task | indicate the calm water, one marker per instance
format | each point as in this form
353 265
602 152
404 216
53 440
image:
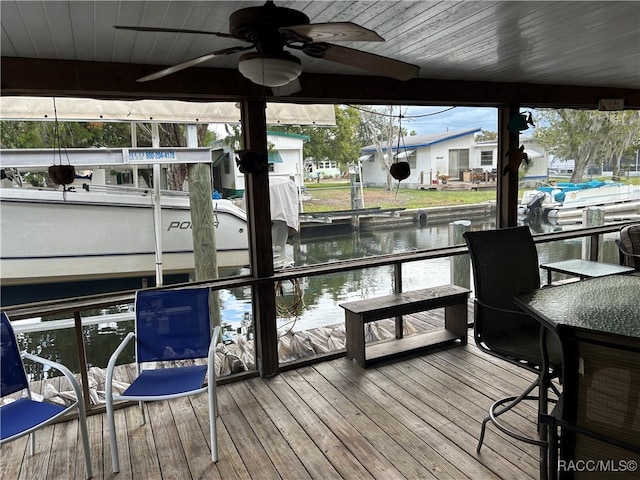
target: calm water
318 299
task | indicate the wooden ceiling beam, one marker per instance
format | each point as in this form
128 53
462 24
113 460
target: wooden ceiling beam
41 77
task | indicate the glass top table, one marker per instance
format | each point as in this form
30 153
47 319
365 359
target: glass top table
609 304
583 268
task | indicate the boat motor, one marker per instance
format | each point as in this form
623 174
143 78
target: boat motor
534 207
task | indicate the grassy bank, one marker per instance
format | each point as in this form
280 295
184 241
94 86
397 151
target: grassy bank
337 196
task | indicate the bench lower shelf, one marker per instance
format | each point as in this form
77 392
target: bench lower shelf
411 344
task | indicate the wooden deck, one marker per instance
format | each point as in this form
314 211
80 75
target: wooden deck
415 418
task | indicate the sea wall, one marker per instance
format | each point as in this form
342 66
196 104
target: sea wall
420 217
424 216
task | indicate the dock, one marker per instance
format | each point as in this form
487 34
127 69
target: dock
414 418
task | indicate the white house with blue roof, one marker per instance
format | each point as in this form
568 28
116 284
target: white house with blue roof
446 155
429 156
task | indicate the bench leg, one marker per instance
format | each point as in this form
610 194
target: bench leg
355 337
455 320
399 327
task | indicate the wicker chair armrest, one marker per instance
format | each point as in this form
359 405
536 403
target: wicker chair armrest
626 252
502 310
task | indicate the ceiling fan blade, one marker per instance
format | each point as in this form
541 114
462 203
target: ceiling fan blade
191 63
332 32
370 62
171 30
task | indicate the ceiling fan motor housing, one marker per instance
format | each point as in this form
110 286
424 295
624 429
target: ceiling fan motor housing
261 24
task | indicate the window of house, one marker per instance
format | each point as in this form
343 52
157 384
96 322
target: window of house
486 158
227 168
327 164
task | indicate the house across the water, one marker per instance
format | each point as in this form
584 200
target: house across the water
447 155
285 160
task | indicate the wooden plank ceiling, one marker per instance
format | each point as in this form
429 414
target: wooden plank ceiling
561 44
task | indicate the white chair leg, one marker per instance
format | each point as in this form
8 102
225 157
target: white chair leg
82 419
213 417
144 418
115 462
32 443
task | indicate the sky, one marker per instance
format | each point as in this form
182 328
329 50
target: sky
425 120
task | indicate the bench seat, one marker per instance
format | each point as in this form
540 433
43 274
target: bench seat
360 312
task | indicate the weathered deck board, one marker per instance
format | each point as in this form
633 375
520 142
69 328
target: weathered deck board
414 418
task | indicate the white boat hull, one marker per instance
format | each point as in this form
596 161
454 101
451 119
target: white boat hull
46 238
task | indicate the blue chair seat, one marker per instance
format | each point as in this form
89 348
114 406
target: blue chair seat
24 414
167 381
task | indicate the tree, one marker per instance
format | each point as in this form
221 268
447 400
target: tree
173 135
330 143
378 127
486 135
588 137
21 134
625 138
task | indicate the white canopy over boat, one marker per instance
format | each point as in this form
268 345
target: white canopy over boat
158 111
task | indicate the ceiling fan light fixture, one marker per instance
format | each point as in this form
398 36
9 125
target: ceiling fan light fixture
270 70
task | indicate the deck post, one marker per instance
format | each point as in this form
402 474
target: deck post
460 264
254 130
592 217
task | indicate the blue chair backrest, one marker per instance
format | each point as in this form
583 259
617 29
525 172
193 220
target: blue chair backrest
172 324
12 378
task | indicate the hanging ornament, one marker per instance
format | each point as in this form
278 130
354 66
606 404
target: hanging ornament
249 161
60 174
520 122
400 171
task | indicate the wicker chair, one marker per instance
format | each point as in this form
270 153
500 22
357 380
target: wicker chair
505 263
629 246
599 421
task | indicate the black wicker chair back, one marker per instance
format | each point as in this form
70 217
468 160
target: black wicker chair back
505 263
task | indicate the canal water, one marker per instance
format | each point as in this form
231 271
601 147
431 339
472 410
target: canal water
314 301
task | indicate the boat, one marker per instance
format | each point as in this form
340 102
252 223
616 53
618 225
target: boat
106 232
567 201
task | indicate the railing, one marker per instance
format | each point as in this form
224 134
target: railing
79 304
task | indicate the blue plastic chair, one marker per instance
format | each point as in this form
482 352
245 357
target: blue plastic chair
24 416
170 325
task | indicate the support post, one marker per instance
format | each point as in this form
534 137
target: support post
460 264
397 288
205 254
254 131
157 207
592 217
507 182
82 358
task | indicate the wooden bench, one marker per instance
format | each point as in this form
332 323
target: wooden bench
360 312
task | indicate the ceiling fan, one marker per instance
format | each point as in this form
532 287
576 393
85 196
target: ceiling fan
268 29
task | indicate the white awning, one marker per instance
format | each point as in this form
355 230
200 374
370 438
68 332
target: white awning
404 154
364 158
165 111
533 153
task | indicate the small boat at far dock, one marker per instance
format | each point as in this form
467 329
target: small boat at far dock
565 202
